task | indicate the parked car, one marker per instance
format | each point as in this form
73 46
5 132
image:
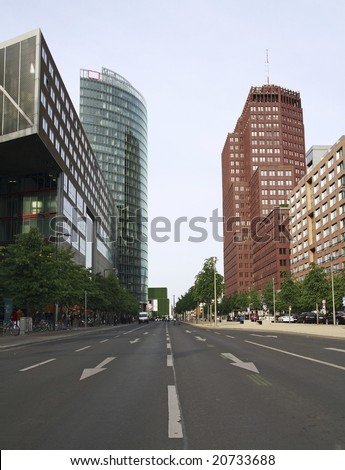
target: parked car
287 318
311 317
307 317
339 318
254 317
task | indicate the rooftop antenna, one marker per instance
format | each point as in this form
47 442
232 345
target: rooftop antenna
267 68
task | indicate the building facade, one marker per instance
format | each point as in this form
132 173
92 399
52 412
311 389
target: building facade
262 160
114 116
49 175
317 214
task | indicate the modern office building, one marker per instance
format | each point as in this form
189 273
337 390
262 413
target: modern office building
114 116
262 160
49 175
317 214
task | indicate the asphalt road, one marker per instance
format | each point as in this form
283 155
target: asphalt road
165 386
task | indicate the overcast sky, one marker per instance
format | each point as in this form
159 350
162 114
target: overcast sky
195 61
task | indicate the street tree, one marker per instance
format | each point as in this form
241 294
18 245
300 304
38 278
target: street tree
204 289
316 287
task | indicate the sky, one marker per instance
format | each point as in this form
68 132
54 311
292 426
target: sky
194 61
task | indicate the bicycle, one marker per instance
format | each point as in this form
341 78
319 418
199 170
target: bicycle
42 325
11 327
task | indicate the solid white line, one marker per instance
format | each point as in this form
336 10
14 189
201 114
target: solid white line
298 355
336 349
82 349
36 365
169 360
174 426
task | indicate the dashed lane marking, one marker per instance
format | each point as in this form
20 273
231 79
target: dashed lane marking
82 349
174 426
37 365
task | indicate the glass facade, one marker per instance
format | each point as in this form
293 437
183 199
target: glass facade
114 117
49 175
17 85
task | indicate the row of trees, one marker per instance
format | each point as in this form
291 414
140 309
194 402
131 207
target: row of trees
303 295
207 281
34 274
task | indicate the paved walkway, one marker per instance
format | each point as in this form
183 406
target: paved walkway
335 331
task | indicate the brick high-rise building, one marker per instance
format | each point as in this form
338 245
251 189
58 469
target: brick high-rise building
262 161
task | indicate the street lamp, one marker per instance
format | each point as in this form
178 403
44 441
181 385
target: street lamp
58 234
332 282
274 301
215 290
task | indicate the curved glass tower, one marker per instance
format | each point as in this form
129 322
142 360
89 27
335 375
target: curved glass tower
114 117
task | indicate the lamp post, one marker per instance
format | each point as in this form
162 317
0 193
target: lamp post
274 301
85 307
58 234
332 283
215 290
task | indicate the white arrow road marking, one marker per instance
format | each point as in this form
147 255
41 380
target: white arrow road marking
100 368
174 427
336 349
238 363
135 340
36 365
200 339
298 355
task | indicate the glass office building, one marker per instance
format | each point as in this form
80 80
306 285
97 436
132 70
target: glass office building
114 116
49 175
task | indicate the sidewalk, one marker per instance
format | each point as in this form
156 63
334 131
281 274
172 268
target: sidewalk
9 341
334 331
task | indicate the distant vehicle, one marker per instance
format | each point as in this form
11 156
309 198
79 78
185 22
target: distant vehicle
254 317
143 317
339 318
287 318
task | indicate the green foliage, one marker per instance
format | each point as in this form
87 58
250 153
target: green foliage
35 273
299 295
316 287
187 302
203 289
204 283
